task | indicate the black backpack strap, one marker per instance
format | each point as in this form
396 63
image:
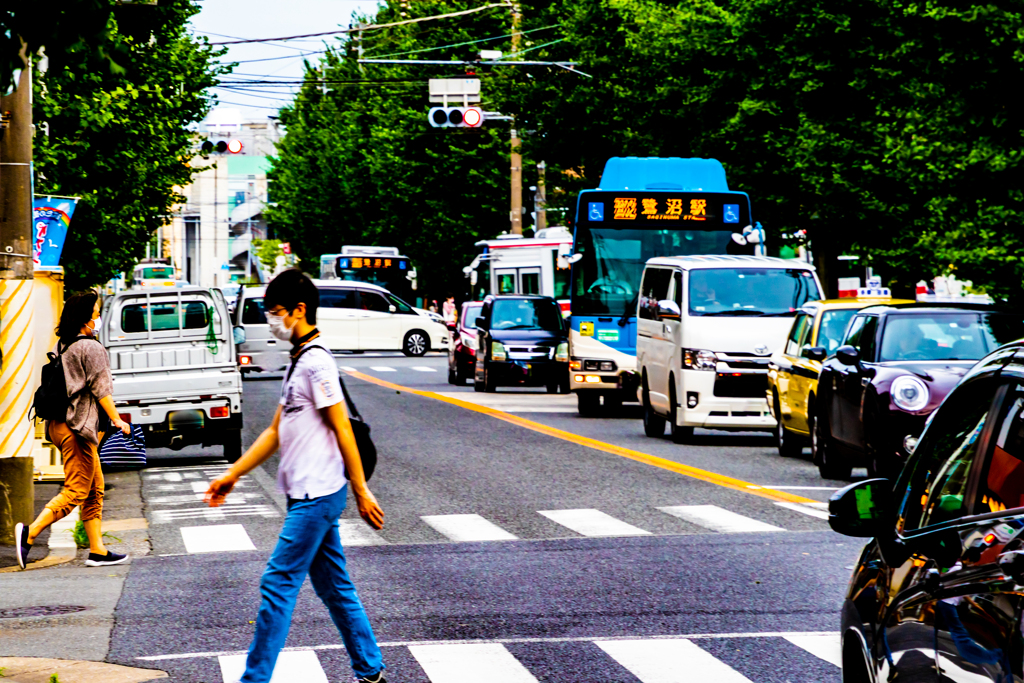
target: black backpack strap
353 412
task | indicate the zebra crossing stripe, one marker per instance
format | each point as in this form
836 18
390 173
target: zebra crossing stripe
382 368
669 661
807 509
589 522
296 666
464 528
718 519
216 538
826 646
470 663
423 368
214 514
347 368
355 532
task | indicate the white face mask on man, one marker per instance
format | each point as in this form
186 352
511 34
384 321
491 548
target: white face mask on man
278 328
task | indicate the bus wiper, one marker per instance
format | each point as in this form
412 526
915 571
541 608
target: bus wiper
630 307
736 311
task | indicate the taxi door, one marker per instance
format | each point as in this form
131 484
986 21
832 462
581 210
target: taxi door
803 376
786 378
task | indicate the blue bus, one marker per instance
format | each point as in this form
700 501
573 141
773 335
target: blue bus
644 207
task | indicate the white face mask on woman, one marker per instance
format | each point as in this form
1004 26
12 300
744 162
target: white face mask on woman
278 328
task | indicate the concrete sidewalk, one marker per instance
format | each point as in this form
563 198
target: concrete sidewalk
65 613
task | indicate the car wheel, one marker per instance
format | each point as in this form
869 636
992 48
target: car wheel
453 376
489 386
416 343
677 433
477 385
878 464
855 668
654 424
233 445
588 403
830 466
789 444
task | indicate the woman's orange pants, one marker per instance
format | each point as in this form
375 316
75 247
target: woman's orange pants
83 478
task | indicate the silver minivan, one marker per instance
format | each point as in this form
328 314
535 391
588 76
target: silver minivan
258 351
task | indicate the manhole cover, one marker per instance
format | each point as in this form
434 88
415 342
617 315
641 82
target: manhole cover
40 611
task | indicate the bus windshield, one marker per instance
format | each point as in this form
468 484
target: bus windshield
607 277
156 273
750 291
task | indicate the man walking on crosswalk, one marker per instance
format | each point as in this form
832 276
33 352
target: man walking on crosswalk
319 458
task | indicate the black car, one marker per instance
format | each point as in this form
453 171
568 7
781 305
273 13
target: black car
522 341
895 366
938 593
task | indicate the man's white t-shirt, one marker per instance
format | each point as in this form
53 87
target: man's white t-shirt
311 463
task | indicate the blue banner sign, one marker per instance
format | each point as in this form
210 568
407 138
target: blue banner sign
50 219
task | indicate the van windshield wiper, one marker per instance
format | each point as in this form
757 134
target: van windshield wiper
736 311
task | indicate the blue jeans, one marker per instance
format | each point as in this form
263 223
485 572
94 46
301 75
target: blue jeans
310 543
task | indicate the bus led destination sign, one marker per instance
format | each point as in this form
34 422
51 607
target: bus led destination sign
719 208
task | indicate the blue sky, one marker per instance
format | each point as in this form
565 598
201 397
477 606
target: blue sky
279 60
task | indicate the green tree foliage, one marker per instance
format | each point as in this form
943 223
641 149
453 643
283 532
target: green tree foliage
886 128
122 141
360 164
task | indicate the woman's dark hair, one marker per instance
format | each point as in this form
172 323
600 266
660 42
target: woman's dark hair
288 289
77 312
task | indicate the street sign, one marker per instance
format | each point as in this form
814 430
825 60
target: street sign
454 92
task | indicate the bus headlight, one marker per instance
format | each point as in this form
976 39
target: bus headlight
909 393
699 359
498 351
562 352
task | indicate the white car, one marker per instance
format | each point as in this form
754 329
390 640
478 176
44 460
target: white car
258 350
706 327
357 316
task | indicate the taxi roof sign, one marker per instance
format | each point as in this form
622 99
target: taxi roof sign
874 293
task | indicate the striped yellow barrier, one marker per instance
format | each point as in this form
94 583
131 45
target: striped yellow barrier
18 371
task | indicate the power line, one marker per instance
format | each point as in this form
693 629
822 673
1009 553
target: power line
468 42
373 27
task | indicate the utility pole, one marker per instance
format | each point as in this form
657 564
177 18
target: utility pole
17 273
517 157
540 202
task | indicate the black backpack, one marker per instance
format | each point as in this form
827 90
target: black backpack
51 400
360 427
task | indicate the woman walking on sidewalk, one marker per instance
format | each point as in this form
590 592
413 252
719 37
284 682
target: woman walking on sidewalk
91 412
319 459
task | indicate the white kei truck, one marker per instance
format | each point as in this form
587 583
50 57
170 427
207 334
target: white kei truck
173 360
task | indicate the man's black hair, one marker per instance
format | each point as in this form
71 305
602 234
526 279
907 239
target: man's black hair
288 289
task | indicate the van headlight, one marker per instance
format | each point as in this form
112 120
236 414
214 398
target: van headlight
498 351
909 393
562 352
699 359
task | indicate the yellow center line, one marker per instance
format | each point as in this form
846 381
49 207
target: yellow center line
646 458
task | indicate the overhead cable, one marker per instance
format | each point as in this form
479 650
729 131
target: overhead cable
468 42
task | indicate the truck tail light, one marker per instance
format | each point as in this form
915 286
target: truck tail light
219 411
125 417
244 360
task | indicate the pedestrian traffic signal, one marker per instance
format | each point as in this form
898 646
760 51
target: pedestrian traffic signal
455 117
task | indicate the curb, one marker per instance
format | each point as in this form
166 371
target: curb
37 669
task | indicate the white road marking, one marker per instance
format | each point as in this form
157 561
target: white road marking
470 663
233 499
718 519
423 368
200 486
347 368
823 646
355 532
589 522
214 514
381 368
172 476
519 402
511 641
468 528
293 666
217 538
670 661
806 508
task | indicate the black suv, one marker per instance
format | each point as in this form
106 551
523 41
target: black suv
522 341
938 593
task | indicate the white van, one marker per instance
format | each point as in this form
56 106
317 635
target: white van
706 326
258 350
358 316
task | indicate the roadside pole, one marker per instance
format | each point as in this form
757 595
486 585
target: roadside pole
16 284
541 200
517 157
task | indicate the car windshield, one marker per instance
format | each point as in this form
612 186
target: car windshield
526 314
947 336
750 291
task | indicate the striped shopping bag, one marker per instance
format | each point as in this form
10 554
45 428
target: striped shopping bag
121 452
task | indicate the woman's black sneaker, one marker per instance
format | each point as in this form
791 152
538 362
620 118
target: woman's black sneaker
376 678
104 560
21 544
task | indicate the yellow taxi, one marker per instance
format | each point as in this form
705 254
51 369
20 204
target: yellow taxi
817 332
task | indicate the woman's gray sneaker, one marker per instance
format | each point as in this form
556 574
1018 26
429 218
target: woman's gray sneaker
104 560
21 544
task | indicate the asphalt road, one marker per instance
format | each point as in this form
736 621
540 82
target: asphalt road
525 552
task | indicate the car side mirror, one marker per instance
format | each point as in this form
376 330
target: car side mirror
668 310
817 353
858 509
392 308
574 258
848 355
239 334
481 322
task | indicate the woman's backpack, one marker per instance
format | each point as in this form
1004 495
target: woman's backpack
51 400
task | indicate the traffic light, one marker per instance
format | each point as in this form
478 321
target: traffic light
455 117
209 147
